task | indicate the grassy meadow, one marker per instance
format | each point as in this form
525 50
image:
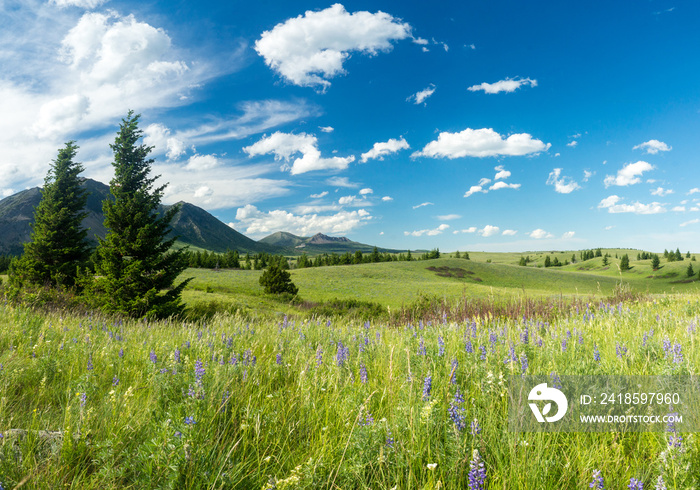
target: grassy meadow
268 395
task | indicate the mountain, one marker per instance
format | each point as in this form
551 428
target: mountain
318 244
192 224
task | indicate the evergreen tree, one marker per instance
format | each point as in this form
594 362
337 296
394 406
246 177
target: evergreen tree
276 280
59 242
135 265
547 261
655 262
624 263
679 255
605 260
522 262
689 271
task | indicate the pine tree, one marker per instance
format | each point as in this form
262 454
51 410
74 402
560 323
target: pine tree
655 262
624 263
59 242
135 265
689 271
547 261
276 280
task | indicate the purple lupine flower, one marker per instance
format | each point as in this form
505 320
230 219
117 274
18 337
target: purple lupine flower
234 359
456 411
620 350
468 347
190 392
278 360
580 338
363 373
115 380
563 345
667 347
596 353
483 352
524 362
660 483
83 399
176 355
199 371
427 386
153 356
190 421
512 356
342 354
421 347
476 428
636 484
90 367
493 338
164 371
597 482
453 371
319 356
525 335
367 419
441 347
677 353
389 439
556 380
121 352
477 472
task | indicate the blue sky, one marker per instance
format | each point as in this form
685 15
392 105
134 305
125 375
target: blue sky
504 126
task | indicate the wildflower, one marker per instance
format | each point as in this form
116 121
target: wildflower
597 482
525 336
190 421
453 372
199 371
176 355
667 347
421 347
389 439
620 350
468 346
279 359
441 347
319 356
476 428
153 356
524 362
483 352
367 419
121 352
596 353
363 373
556 380
89 363
342 354
431 466
511 357
636 484
115 380
83 399
427 386
178 433
477 472
677 353
563 345
660 484
456 412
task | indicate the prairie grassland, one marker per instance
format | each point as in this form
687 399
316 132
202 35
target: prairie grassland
332 403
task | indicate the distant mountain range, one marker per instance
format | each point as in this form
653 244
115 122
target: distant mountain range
193 225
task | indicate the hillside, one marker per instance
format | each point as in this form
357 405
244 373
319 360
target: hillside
318 244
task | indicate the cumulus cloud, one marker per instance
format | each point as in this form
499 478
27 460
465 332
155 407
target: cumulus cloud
387 198
285 145
342 182
326 129
86 4
489 230
202 162
366 191
539 234
653 147
502 185
159 136
568 234
661 192
433 232
501 173
256 223
481 187
572 143
507 85
448 217
613 205
678 209
310 49
381 149
587 175
481 143
562 185
423 204
319 196
510 232
629 174
420 96
346 200
694 190
691 222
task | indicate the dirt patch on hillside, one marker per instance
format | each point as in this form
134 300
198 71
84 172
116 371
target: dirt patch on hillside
455 272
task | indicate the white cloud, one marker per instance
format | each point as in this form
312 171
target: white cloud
421 96
587 175
7 192
310 49
572 143
629 174
380 150
694 190
86 4
510 232
158 135
203 191
502 185
661 192
609 227
471 229
285 145
539 234
341 182
678 209
568 234
691 222
346 200
507 85
387 198
562 185
489 230
501 173
256 223
366 191
474 189
433 232
612 204
653 147
481 143
58 116
326 129
202 162
423 204
448 217
319 196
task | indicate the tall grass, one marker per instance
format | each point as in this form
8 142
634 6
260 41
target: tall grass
233 403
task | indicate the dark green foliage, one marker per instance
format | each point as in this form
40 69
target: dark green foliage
522 262
605 260
679 255
276 280
433 254
58 246
624 263
598 252
689 271
5 261
547 261
135 265
655 262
